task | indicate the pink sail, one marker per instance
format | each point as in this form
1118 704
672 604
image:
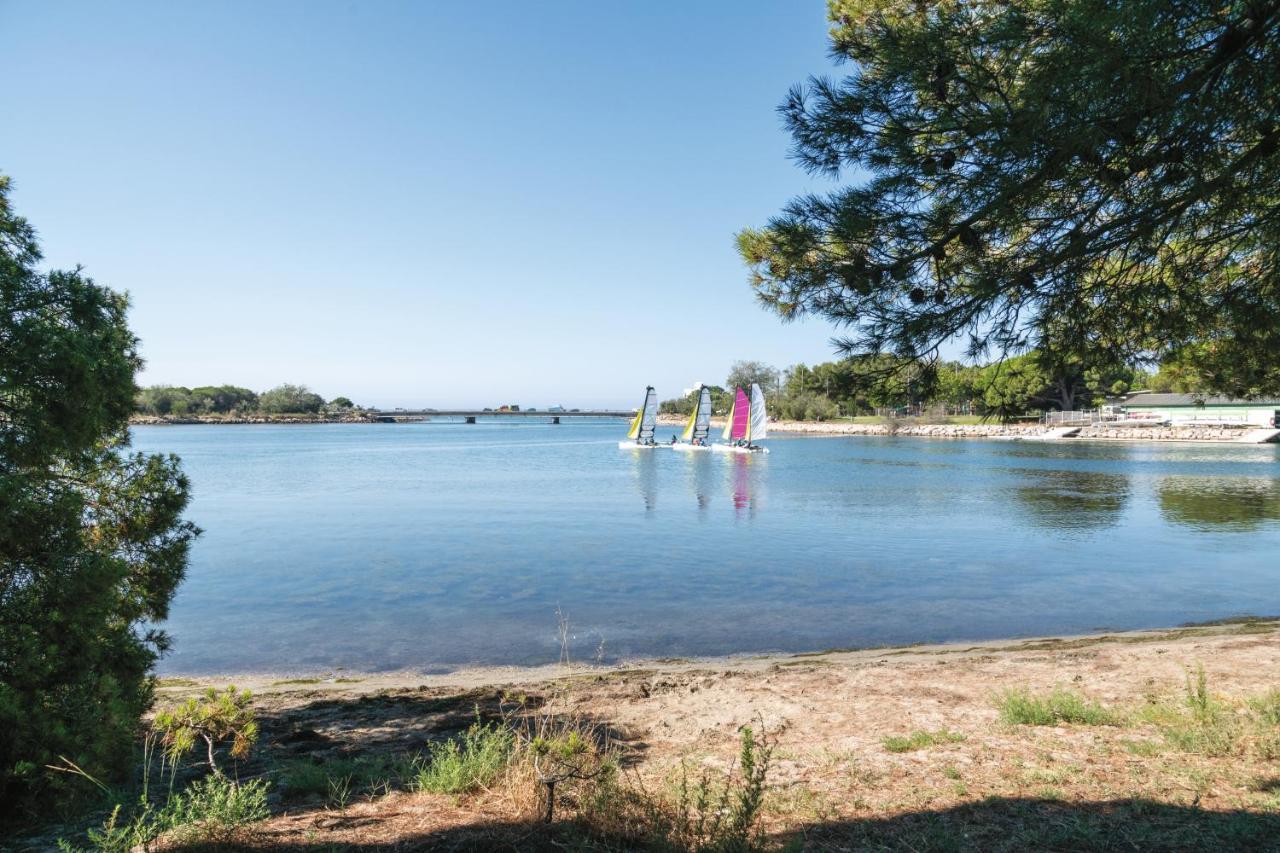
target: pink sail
741 415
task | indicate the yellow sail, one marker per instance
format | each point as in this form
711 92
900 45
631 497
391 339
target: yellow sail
634 432
728 422
693 418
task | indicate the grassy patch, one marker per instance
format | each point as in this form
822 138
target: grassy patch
337 780
207 811
1019 707
288 681
464 764
1204 724
921 740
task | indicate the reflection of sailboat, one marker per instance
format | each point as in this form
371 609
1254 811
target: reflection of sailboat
695 432
748 483
640 434
748 422
644 468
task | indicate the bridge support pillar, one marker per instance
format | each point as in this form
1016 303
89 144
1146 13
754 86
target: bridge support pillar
471 419
556 419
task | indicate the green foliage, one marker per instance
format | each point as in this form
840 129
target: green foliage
720 402
921 740
175 400
212 807
722 815
1094 179
805 407
464 764
92 541
1018 707
289 399
742 374
212 718
208 811
337 779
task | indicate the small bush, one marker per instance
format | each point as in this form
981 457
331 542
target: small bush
1019 707
921 740
212 807
209 810
468 763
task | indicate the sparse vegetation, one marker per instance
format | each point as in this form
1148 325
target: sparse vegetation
921 740
465 764
1019 707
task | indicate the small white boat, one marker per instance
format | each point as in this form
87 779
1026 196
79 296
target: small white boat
748 422
694 437
640 435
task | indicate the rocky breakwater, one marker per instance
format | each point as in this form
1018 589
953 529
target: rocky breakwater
1164 433
908 428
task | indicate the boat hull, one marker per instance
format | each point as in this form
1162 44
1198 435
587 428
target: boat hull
631 445
730 448
690 448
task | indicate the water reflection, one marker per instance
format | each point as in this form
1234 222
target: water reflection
747 482
644 470
701 477
1204 503
1073 500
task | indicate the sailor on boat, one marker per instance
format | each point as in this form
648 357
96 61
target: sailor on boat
698 425
640 434
748 421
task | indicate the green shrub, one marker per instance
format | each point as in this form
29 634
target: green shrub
209 810
920 740
464 764
212 807
1019 707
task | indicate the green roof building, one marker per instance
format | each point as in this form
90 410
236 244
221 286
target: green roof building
1185 408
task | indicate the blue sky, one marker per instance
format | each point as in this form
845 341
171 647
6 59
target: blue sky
417 203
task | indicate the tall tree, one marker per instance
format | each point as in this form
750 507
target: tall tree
92 541
743 373
1014 164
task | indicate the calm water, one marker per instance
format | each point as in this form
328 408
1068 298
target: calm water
430 546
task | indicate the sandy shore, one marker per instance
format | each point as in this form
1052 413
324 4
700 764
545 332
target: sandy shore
832 718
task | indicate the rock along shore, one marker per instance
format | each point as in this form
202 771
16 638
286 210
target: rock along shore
994 430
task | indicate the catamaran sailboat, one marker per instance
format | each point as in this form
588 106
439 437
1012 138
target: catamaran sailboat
695 432
642 425
748 422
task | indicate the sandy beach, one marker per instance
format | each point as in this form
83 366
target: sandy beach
893 742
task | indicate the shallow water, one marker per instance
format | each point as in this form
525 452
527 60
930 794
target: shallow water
429 546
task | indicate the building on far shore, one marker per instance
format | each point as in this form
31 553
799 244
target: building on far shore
1183 408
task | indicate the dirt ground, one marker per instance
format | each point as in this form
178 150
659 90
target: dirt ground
834 781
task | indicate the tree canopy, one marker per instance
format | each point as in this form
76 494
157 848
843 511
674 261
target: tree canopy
1069 175
92 540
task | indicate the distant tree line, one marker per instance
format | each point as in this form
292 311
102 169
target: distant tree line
230 399
1027 384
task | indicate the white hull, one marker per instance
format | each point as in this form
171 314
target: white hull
631 445
690 448
731 448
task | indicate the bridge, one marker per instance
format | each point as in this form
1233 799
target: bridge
394 416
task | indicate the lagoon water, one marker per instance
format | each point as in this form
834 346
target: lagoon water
432 546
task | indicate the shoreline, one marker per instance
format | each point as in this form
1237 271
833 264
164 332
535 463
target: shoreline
359 682
891 748
839 429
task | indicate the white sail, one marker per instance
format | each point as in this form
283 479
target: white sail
702 418
649 415
759 418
